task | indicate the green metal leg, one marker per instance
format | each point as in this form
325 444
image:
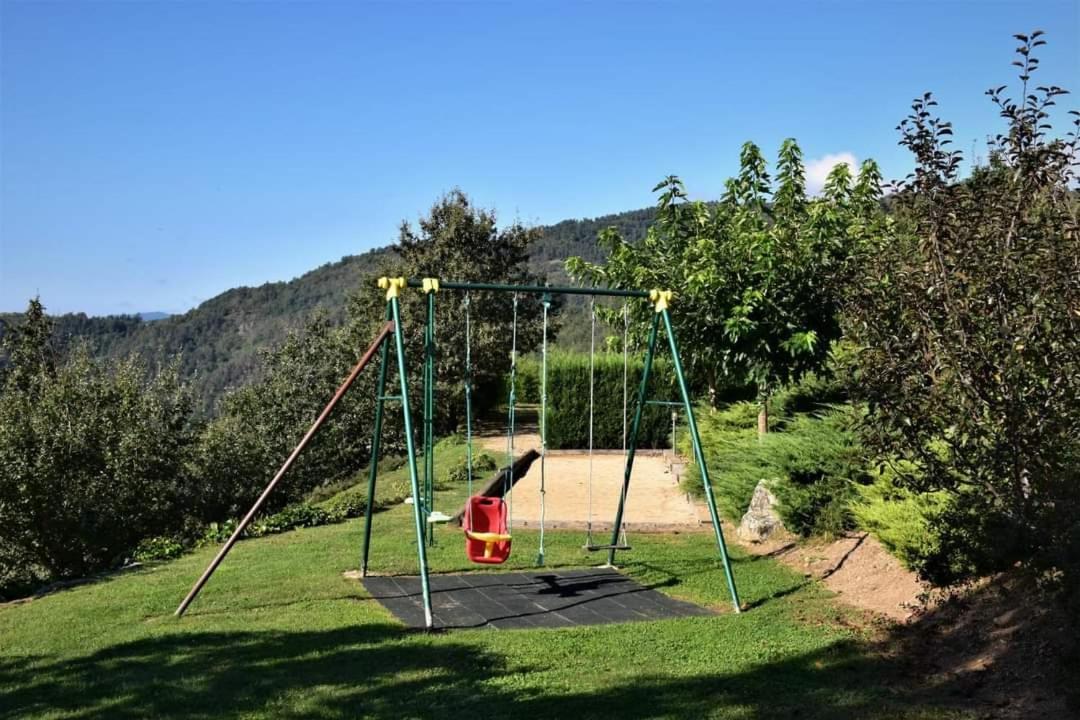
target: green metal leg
410 449
376 436
699 456
631 441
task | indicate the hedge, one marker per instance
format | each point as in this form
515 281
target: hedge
568 399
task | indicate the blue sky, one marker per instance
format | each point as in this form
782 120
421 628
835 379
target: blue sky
154 154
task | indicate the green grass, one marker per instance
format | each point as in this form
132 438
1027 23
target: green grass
278 632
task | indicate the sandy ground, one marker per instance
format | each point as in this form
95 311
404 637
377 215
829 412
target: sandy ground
857 568
655 500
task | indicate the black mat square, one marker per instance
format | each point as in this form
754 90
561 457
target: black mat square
527 600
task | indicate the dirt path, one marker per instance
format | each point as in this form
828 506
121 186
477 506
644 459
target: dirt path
857 568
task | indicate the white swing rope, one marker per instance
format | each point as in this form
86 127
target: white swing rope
592 364
508 487
625 392
625 373
546 302
468 395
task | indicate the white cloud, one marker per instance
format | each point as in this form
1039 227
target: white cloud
818 170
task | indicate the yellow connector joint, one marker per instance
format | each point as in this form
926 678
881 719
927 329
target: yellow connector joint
660 299
430 285
392 286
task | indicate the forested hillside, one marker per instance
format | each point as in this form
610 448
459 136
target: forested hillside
219 341
571 238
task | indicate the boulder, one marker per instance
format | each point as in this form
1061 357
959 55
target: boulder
761 521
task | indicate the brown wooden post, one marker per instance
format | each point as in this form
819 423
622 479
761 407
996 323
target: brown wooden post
384 333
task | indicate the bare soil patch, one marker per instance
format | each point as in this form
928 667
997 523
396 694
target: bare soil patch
656 502
1002 648
856 567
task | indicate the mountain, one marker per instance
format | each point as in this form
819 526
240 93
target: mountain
152 316
218 342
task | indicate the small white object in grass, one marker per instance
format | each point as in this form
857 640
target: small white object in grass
408 500
438 517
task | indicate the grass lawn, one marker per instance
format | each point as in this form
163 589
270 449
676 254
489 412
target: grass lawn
278 632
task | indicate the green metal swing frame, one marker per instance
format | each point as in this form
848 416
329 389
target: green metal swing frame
423 492
422 485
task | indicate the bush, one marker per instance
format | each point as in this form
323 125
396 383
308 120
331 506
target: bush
812 463
729 441
294 516
18 574
260 424
161 547
345 505
965 329
92 462
342 507
526 382
482 464
932 533
568 399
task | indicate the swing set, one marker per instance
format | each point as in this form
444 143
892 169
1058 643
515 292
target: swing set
487 520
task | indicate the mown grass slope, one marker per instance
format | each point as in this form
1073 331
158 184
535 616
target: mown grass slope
279 632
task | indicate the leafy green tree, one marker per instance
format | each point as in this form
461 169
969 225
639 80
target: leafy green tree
458 241
965 319
756 276
259 424
27 349
91 460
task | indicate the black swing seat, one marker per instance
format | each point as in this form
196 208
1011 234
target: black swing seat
595 548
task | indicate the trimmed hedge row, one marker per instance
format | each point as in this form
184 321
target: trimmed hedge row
568 399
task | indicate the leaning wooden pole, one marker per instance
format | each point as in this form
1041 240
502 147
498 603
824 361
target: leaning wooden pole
384 333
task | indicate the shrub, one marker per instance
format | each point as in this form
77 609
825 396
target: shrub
346 505
526 382
811 462
965 324
160 547
821 462
729 441
92 461
568 401
482 465
260 424
294 516
18 574
933 534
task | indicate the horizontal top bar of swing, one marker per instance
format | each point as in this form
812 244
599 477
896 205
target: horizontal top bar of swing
536 289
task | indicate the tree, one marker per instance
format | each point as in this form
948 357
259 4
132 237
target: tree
28 350
92 460
260 423
966 319
757 275
459 241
